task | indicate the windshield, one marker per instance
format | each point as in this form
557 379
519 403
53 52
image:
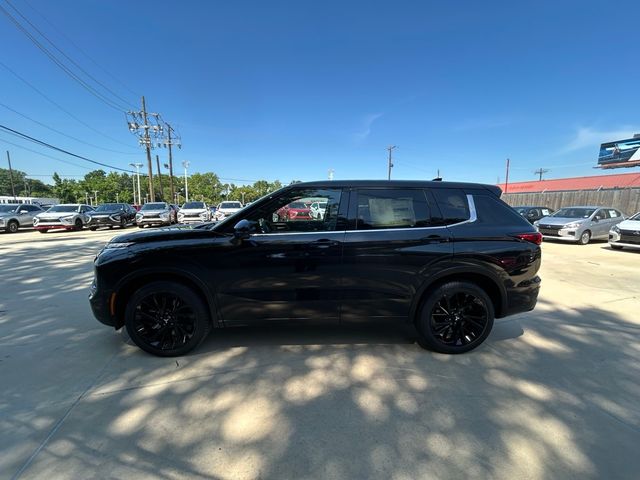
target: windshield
109 207
230 205
154 206
8 208
574 212
63 208
193 205
635 217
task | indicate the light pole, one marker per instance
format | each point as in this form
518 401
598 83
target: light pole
137 166
185 164
390 166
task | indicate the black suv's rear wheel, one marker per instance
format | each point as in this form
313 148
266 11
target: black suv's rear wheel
166 319
455 318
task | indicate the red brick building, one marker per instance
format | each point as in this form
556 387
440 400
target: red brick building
596 182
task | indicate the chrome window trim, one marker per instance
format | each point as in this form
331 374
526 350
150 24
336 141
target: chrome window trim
473 217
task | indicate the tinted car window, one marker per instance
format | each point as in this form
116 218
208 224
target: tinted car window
289 212
453 205
392 208
492 210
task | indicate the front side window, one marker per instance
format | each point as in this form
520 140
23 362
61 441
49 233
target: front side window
392 208
291 212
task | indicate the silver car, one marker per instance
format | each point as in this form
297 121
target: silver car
626 234
72 216
17 215
156 213
194 212
579 224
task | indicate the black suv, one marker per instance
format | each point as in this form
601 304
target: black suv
446 257
112 215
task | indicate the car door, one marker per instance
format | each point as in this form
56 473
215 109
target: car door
600 223
287 269
392 243
25 217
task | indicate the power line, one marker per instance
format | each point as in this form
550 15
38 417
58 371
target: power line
53 147
61 33
62 133
44 154
39 92
103 98
125 102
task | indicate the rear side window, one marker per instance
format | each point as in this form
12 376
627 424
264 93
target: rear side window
493 211
453 204
392 208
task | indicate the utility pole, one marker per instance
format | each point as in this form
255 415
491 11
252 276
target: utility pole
133 179
506 178
159 177
147 139
540 172
185 164
137 166
86 198
390 148
331 172
95 193
171 141
117 197
13 189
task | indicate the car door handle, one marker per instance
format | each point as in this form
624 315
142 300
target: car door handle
435 239
323 243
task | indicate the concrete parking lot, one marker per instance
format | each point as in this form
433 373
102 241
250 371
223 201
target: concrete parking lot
554 393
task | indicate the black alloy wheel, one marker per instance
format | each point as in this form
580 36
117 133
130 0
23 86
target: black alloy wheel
455 318
12 226
166 319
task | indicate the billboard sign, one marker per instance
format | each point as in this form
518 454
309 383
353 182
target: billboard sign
621 153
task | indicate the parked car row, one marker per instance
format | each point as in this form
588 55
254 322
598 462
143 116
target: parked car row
78 216
581 224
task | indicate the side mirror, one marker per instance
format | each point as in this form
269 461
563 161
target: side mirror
243 229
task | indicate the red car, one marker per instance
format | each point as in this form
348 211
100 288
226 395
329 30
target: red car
294 211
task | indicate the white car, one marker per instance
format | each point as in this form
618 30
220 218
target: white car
194 212
318 210
626 234
72 216
226 209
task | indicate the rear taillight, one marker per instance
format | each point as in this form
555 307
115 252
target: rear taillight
535 237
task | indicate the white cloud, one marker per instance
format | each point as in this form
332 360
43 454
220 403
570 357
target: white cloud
590 137
367 123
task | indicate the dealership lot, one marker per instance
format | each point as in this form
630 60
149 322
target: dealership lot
551 394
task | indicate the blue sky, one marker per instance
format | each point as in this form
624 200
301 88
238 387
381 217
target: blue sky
288 90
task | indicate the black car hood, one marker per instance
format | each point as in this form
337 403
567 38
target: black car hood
181 232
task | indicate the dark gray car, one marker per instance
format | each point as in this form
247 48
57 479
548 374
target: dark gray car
579 224
16 215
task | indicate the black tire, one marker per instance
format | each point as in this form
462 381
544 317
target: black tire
43 231
140 226
123 223
615 247
77 225
93 229
12 226
454 318
585 238
167 319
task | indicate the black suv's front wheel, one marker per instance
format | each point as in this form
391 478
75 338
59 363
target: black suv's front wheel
166 319
455 318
